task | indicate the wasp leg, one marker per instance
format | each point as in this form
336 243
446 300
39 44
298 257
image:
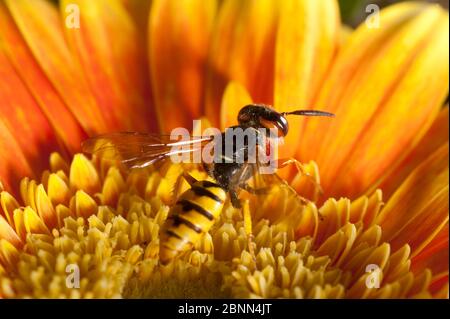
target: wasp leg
234 199
248 229
254 191
301 169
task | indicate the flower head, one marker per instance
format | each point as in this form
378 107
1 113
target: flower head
379 230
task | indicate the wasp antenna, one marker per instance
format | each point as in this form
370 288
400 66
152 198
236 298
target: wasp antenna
309 113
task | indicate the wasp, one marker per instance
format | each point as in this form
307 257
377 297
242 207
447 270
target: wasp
197 209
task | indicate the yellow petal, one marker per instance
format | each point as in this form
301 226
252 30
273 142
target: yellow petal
45 207
83 175
8 204
9 254
58 190
345 33
243 50
309 223
379 257
335 214
85 206
366 209
8 233
234 98
33 223
398 264
19 224
375 86
57 163
419 208
179 34
338 245
113 186
28 191
305 186
62 212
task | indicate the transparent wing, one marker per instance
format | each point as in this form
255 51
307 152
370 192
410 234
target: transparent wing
138 150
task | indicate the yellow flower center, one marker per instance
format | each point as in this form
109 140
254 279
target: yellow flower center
93 220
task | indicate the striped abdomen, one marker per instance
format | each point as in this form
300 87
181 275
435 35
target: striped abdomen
194 214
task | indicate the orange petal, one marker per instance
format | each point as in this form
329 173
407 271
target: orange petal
439 287
307 39
386 87
243 50
13 164
418 210
436 136
139 11
109 47
24 119
35 80
234 98
423 228
40 25
358 47
434 256
179 34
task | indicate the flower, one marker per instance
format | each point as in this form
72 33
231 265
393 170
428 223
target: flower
380 230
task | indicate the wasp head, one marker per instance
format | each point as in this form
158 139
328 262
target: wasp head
264 116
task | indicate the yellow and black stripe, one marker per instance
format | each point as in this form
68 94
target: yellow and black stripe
194 214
